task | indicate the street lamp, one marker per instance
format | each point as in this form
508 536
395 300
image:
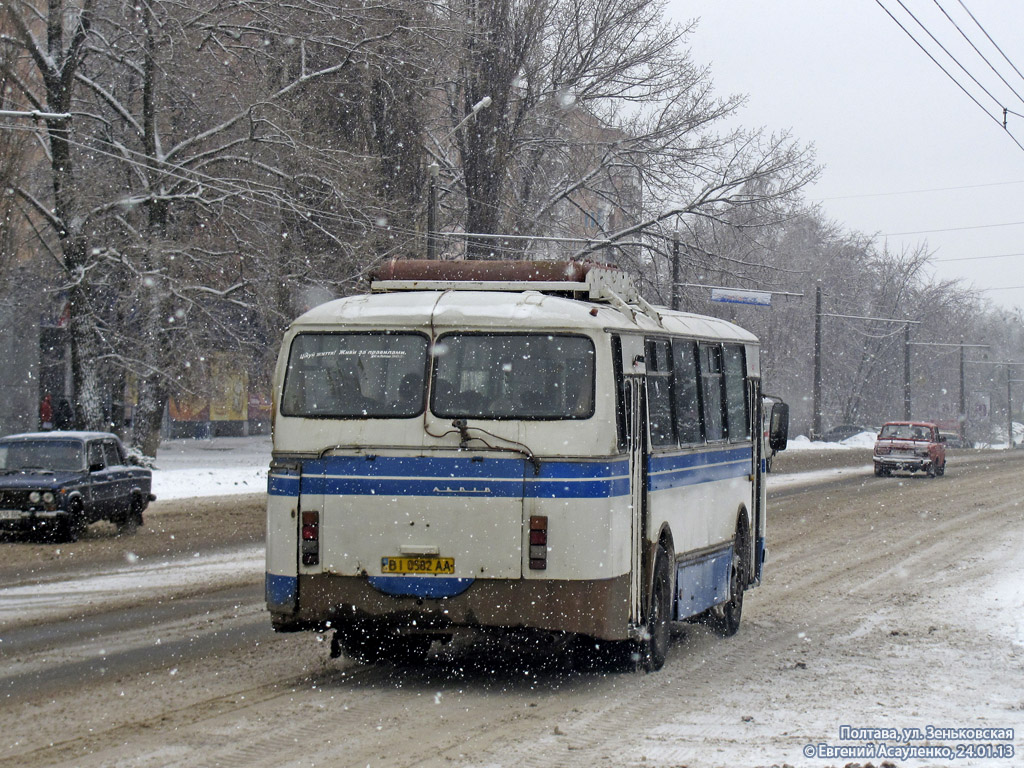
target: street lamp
433 171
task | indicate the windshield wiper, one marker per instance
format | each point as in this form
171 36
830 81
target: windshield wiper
37 470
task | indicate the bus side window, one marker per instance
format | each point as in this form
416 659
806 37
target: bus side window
659 392
738 422
620 393
686 393
711 391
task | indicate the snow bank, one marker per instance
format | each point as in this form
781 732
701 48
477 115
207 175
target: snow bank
860 440
221 466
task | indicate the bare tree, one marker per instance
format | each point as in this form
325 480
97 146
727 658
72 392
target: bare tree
198 155
600 126
47 52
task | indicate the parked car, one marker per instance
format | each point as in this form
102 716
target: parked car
952 439
60 482
910 446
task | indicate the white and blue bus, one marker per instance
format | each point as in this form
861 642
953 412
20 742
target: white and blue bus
526 449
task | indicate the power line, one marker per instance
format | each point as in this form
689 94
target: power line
946 72
984 32
920 191
953 229
983 58
977 258
951 56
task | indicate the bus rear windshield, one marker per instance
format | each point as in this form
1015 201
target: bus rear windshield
355 375
513 376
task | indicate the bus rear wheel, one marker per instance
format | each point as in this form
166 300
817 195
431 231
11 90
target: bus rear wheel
725 618
658 630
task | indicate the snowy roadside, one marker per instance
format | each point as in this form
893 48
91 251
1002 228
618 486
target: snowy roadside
131 584
221 466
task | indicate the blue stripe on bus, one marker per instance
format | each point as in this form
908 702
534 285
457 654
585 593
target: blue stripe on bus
661 462
560 488
394 476
693 468
283 485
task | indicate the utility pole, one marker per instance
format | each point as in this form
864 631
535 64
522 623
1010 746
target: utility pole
962 404
816 427
818 314
675 270
432 173
1009 403
1009 398
962 413
1009 408
906 372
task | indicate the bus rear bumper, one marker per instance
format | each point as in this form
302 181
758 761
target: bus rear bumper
597 608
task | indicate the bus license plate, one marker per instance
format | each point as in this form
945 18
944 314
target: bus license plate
443 565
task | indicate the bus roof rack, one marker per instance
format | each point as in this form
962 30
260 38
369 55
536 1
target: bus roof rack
578 279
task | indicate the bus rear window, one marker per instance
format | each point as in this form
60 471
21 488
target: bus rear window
355 375
514 376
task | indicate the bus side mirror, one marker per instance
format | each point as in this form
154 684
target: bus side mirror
778 427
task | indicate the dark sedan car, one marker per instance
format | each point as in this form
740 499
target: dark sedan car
59 482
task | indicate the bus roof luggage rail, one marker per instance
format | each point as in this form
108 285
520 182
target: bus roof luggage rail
580 279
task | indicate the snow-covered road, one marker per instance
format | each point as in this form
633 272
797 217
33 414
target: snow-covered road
886 603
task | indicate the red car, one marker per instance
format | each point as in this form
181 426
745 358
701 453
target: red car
910 446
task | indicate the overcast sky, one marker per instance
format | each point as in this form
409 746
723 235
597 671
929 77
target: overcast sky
884 118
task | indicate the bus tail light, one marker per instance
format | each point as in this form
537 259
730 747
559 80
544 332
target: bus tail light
538 542
310 538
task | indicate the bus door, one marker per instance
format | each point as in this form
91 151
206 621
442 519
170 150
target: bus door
634 372
757 433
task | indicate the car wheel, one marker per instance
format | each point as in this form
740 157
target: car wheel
73 525
941 469
657 631
128 523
